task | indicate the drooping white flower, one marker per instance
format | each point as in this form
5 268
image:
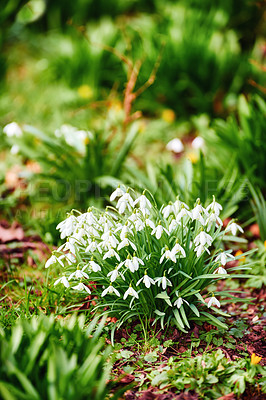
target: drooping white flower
178 249
212 219
180 301
114 274
132 263
198 143
117 193
220 270
131 292
126 242
158 231
13 129
174 223
67 227
78 274
163 281
214 207
198 212
80 287
203 239
148 281
183 213
92 247
168 255
167 210
109 240
124 202
234 228
175 145
213 301
149 223
14 149
93 265
110 289
53 259
63 280
224 257
144 203
111 253
200 250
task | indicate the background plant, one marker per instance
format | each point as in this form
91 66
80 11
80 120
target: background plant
47 359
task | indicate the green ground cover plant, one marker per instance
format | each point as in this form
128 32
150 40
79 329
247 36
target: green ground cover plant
44 359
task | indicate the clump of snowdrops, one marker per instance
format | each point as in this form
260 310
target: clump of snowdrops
144 262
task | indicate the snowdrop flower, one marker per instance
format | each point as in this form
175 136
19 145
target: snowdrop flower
78 275
167 210
158 231
131 292
93 265
234 228
80 287
117 193
168 255
144 203
197 212
124 231
68 245
53 259
164 281
13 129
92 247
178 205
146 280
200 250
198 143
182 213
149 223
67 226
177 248
126 242
203 238
114 274
110 290
70 258
175 145
14 149
214 207
63 280
223 257
220 270
132 264
109 240
111 253
213 301
174 223
212 218
124 202
180 301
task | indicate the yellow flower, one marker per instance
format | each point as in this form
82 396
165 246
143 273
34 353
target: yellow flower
255 359
265 244
168 115
238 253
85 92
192 157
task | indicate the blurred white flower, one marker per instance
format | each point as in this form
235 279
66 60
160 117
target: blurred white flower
198 143
117 193
13 129
175 145
63 280
78 274
14 149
